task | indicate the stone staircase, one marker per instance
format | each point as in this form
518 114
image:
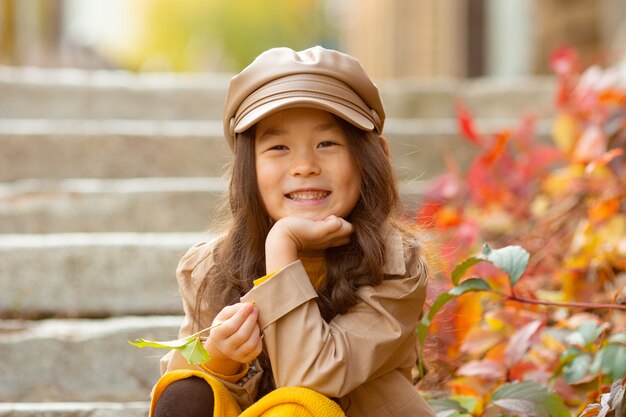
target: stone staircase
106 178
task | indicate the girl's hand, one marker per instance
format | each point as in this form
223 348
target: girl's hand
291 235
237 340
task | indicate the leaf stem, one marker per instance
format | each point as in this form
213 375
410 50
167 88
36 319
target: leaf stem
559 304
205 330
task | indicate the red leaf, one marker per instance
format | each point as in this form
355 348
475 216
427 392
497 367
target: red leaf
520 342
496 151
564 60
484 368
466 124
427 213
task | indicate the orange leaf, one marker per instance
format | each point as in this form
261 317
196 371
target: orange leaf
518 370
498 148
447 217
470 386
612 97
497 353
603 159
603 209
468 313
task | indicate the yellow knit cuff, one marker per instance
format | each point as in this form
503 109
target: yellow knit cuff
261 280
243 371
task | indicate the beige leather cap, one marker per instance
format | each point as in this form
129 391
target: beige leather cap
320 78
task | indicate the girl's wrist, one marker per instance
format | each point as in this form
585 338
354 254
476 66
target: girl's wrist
280 250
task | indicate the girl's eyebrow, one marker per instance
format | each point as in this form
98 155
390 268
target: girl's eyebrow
274 131
326 126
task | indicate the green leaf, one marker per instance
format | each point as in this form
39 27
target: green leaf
422 327
445 404
448 408
469 285
590 332
468 402
577 369
569 354
511 259
617 338
529 398
461 268
613 360
441 300
195 353
171 344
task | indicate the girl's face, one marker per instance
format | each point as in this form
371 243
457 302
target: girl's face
303 165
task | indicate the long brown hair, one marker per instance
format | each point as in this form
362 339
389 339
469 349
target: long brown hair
239 257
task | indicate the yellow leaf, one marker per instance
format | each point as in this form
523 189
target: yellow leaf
540 205
565 131
550 342
560 181
479 340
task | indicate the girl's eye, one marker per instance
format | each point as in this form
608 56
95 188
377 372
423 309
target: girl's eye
326 144
278 148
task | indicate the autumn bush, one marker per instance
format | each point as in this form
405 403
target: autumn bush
509 335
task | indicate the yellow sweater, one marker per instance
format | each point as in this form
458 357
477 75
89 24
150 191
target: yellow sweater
283 402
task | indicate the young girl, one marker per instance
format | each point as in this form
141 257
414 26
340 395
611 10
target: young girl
329 328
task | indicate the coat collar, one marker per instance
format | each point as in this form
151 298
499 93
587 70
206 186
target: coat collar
394 251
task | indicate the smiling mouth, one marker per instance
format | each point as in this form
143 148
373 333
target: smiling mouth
308 195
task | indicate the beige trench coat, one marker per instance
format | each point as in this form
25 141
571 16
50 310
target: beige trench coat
363 357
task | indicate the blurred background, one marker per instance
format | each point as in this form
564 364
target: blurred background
112 156
399 38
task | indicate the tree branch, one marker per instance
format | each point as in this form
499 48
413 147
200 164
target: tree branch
558 304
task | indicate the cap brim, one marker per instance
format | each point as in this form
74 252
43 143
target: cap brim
336 108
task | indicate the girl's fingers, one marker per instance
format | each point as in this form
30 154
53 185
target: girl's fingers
232 324
245 331
251 348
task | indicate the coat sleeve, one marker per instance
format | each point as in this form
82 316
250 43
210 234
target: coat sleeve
372 338
190 273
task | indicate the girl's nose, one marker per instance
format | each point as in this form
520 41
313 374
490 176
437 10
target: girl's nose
304 164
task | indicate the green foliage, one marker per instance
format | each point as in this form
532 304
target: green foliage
586 356
529 398
448 408
223 35
190 347
511 259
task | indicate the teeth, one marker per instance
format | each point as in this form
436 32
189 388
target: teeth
308 195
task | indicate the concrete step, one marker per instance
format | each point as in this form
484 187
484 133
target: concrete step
91 275
110 205
129 149
75 409
81 360
77 94
124 205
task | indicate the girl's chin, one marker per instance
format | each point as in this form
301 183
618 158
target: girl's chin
309 215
